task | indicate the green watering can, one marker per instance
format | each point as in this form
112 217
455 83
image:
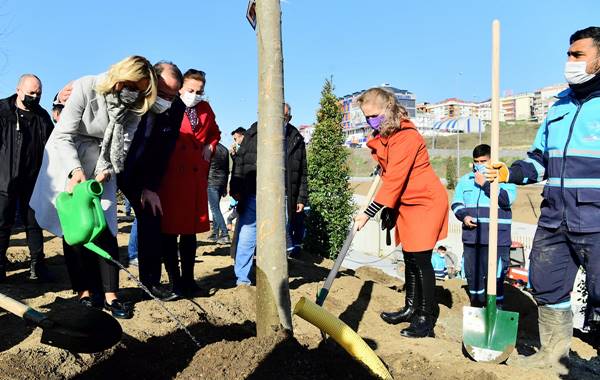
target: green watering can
81 216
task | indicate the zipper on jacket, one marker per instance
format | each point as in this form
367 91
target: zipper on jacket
564 161
563 165
478 228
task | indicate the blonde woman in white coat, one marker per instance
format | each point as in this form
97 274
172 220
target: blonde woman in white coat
91 141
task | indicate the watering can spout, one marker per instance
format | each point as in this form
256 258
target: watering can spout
81 216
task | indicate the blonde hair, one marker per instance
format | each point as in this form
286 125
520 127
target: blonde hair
133 69
393 111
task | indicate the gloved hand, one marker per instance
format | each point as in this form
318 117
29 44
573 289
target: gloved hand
496 170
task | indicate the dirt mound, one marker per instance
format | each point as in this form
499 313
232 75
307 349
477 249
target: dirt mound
275 357
153 347
380 277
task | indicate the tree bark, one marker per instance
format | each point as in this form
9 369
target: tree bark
273 307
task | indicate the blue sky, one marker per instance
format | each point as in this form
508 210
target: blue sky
436 49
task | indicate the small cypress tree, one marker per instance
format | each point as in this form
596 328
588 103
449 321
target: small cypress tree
450 173
330 198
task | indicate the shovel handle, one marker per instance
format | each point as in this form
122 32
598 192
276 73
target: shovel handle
372 190
322 294
21 310
495 145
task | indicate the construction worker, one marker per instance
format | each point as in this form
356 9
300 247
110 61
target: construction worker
566 153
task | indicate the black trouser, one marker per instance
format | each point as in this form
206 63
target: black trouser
187 253
88 271
8 208
149 245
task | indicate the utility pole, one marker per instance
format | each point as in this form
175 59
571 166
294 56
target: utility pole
273 306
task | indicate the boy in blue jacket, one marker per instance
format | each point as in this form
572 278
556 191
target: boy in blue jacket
471 205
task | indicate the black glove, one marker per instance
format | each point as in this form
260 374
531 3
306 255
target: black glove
388 222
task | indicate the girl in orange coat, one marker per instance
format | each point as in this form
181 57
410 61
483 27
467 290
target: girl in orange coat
415 197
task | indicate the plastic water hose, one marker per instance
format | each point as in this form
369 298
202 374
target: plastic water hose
342 334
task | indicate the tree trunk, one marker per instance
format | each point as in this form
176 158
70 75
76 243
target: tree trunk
273 308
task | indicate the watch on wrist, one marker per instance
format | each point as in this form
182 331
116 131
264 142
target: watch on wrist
73 171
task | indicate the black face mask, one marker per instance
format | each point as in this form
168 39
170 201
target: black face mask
31 102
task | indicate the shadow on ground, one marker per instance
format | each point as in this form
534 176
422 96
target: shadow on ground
162 357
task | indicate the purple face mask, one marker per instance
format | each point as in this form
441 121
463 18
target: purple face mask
375 121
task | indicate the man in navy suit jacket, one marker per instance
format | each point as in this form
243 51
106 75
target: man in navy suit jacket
145 165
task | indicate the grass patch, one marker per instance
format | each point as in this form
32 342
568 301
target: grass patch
361 162
513 135
439 164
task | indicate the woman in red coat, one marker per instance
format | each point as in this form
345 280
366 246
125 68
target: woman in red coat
183 189
416 199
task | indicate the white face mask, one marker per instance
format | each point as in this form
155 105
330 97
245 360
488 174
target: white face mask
575 72
190 99
161 105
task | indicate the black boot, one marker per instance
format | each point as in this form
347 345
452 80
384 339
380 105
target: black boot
172 267
38 271
35 242
423 321
410 288
187 252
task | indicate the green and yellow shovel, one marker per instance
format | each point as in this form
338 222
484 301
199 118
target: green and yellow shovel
489 334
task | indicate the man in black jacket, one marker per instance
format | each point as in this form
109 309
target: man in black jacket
217 188
24 129
145 165
243 189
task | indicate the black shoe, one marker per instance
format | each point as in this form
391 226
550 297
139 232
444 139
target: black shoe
2 273
119 309
162 294
403 315
478 301
95 301
420 327
189 289
86 301
170 296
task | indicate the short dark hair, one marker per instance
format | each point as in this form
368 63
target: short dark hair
482 150
441 247
592 32
240 130
160 66
195 74
56 105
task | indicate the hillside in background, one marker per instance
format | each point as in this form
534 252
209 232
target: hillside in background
515 139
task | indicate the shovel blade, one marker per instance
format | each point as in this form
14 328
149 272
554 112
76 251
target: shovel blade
86 330
489 338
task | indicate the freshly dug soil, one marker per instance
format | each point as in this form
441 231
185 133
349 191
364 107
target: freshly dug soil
278 356
224 322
